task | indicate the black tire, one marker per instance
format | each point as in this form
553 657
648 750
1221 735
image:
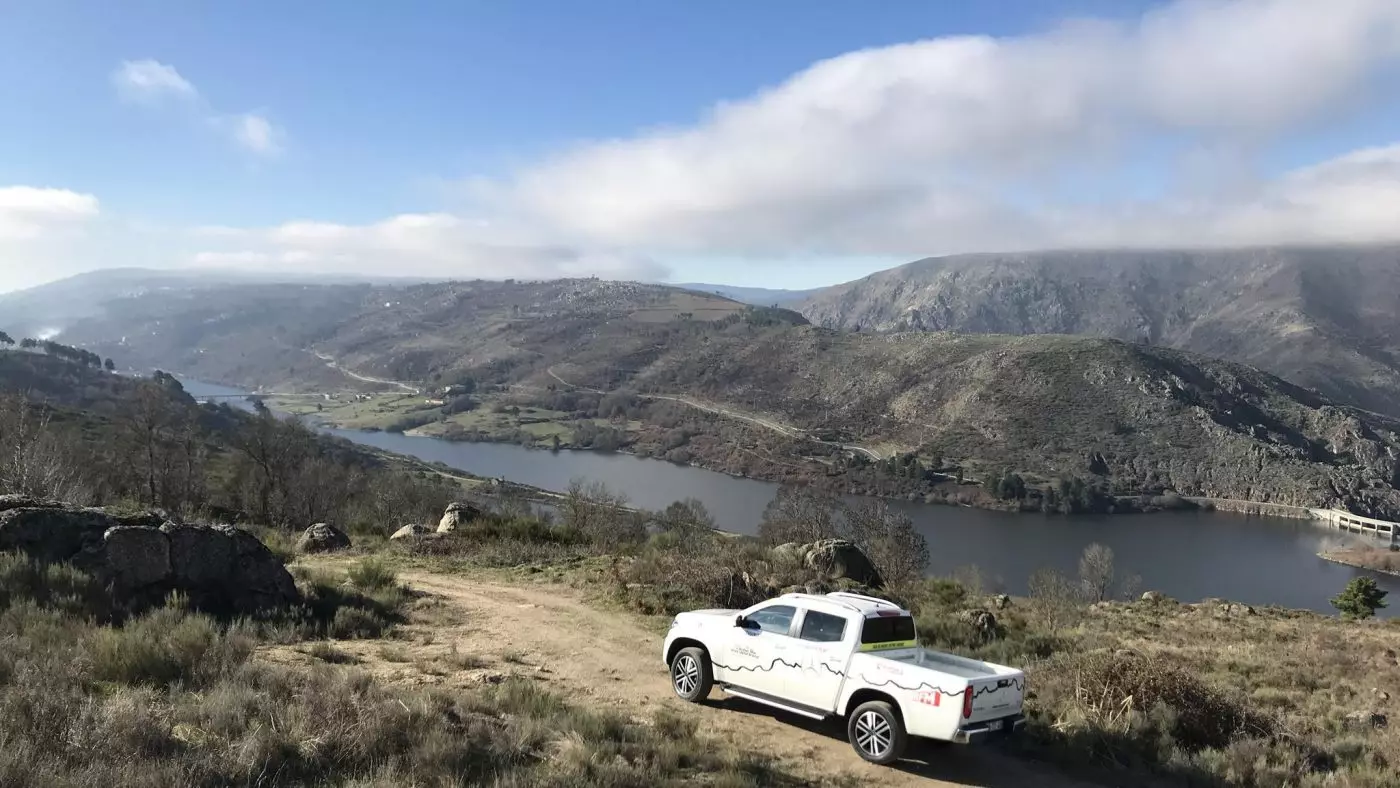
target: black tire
877 733
691 676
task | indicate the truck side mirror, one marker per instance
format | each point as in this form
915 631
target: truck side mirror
739 620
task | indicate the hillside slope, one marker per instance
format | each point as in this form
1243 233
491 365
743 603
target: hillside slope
1129 418
1320 317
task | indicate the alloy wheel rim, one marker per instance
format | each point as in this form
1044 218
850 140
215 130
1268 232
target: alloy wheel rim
687 675
873 734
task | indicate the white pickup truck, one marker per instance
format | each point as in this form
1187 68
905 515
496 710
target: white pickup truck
844 655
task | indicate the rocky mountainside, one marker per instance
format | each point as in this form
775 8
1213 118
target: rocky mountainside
758 296
1323 318
1135 417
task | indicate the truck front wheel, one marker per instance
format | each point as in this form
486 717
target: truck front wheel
877 732
691 676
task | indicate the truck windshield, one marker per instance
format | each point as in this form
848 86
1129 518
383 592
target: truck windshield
890 632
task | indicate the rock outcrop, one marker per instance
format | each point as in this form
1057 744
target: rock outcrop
837 558
414 531
220 567
322 538
458 514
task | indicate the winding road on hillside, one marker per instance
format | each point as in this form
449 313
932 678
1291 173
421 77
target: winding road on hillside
786 430
335 365
545 631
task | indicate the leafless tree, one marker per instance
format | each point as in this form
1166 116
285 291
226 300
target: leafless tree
1096 572
800 514
35 457
600 514
1055 599
686 520
889 539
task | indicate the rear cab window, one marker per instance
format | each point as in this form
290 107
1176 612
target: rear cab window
820 627
885 632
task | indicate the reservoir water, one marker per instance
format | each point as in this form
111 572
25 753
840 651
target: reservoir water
1186 555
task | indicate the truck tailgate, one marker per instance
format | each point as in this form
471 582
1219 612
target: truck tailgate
998 696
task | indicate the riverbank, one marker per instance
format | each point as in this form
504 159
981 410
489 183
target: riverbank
1376 559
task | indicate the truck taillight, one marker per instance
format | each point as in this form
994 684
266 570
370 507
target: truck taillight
967 703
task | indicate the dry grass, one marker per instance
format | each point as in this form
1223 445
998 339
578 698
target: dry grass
1212 693
174 697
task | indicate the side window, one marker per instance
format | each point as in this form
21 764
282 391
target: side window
776 619
823 627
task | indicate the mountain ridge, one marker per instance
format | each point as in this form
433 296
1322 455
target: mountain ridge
1317 316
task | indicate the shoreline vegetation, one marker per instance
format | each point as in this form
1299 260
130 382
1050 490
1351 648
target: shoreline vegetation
1385 560
948 489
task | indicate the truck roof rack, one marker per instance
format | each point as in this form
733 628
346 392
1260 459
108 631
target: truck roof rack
862 597
821 598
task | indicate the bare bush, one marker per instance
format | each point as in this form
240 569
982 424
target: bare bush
35 457
1113 692
888 538
1096 572
686 521
601 515
800 514
1055 599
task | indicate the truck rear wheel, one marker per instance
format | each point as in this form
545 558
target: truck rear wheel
877 732
691 676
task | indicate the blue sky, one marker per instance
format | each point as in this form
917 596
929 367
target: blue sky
769 144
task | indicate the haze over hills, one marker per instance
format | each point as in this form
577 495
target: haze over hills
1137 418
1321 317
52 307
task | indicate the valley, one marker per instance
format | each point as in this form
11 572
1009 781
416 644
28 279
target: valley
1044 422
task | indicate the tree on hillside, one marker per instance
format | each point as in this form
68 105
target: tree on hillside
165 450
686 520
600 514
889 539
1361 599
28 343
109 365
5 339
36 458
799 514
1096 572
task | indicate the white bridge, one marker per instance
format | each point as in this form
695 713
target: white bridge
1355 523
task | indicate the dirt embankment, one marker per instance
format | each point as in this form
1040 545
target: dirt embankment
470 630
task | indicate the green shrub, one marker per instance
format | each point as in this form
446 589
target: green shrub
353 622
58 586
372 574
167 646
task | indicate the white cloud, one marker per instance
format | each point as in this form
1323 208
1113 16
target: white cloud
945 145
149 80
42 232
427 244
28 213
962 142
256 133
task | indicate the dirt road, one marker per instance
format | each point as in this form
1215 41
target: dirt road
785 430
333 364
479 630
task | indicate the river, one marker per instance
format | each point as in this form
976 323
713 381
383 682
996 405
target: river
1186 555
